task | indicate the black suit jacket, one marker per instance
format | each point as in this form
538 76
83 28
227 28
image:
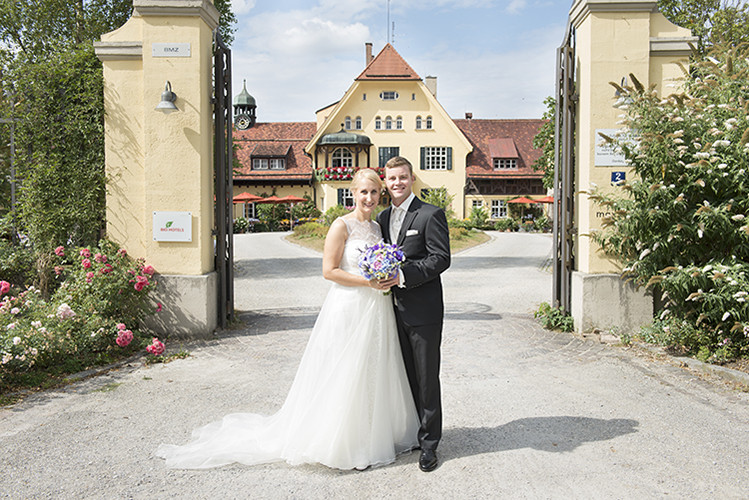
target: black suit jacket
425 240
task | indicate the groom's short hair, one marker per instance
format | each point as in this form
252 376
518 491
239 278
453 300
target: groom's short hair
399 161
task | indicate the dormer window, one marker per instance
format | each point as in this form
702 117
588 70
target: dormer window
505 163
269 164
504 153
389 95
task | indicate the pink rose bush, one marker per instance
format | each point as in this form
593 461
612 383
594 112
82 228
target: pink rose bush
96 292
156 348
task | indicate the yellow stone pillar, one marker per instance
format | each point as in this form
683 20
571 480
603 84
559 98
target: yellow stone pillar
160 165
613 39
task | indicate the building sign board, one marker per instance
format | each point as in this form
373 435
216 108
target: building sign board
170 49
172 226
607 154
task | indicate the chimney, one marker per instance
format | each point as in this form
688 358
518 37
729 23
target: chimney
431 83
368 46
469 115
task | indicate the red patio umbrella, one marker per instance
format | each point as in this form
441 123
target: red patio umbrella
545 199
271 199
292 199
246 198
522 199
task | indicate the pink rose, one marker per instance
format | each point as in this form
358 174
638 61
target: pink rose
149 270
121 326
106 269
158 307
139 286
121 252
124 338
60 251
89 277
4 287
100 258
85 253
58 270
156 348
86 263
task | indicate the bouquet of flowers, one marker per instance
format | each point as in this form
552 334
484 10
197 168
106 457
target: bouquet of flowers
380 261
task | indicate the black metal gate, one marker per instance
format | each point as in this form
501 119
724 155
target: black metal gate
564 172
223 217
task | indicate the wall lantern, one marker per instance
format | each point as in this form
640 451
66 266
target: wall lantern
167 99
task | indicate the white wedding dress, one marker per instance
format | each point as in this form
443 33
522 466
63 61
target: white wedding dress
349 406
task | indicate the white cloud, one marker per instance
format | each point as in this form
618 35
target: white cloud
516 6
240 7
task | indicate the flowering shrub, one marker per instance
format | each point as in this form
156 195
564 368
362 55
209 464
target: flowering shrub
681 225
83 323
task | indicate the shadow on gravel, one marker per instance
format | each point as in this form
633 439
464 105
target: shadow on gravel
554 434
483 263
469 311
277 268
274 320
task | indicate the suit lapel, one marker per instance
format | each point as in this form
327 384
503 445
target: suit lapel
385 219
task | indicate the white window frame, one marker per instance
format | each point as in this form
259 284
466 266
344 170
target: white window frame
347 197
429 123
418 122
389 95
277 163
260 164
248 211
505 164
378 123
435 158
357 125
477 204
347 123
388 123
399 123
499 209
342 157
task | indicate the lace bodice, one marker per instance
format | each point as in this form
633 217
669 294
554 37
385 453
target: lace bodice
360 234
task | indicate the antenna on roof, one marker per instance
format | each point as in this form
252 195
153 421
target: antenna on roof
387 26
392 34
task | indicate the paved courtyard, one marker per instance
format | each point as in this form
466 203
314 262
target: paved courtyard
528 413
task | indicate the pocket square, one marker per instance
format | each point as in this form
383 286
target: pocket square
412 232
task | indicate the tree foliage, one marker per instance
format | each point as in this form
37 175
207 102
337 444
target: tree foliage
683 223
544 140
713 21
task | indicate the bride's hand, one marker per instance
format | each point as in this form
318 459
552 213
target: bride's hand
388 283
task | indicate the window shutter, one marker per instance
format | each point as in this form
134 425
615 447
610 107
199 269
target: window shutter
340 197
422 166
449 157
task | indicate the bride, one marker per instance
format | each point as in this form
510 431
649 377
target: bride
350 405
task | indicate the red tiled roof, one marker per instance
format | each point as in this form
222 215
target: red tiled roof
286 139
503 147
388 65
490 137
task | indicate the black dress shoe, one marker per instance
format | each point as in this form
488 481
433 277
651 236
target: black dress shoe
428 460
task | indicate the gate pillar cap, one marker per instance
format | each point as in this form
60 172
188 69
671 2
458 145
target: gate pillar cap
202 8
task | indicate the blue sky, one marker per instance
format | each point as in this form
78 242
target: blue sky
494 58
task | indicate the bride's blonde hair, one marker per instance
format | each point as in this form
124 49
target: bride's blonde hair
365 174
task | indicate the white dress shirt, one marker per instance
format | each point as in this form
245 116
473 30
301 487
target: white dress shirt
397 215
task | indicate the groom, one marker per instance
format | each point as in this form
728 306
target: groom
420 229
